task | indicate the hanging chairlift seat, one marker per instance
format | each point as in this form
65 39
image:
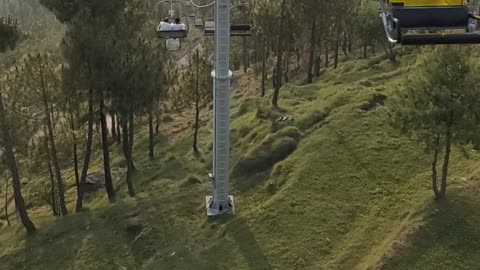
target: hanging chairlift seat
166 34
240 30
199 23
404 23
209 29
236 30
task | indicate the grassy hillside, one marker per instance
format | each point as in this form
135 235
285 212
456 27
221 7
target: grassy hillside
334 188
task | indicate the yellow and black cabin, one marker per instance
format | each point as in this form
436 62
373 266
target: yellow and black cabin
421 22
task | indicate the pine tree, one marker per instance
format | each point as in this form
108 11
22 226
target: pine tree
439 106
8 38
196 86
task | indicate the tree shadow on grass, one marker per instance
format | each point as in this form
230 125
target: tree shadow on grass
54 246
451 236
238 229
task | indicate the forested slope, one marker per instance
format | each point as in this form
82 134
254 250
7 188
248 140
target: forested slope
352 194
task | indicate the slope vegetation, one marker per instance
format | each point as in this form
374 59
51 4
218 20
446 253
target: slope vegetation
324 183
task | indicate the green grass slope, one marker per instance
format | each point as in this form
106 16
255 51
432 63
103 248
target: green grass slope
331 187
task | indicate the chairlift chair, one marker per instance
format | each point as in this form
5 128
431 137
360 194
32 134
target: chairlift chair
236 30
198 23
173 34
167 34
430 22
241 29
209 29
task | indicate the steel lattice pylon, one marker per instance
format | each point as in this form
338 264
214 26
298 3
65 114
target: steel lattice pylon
221 202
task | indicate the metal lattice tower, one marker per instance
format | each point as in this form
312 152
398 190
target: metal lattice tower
221 202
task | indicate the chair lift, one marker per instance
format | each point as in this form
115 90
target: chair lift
430 22
240 29
198 23
236 29
209 28
173 37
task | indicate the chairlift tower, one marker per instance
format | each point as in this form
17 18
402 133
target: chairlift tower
221 202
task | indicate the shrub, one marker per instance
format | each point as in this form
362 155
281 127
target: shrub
310 120
273 149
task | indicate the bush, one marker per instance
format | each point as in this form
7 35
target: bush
273 149
190 181
291 132
167 118
310 120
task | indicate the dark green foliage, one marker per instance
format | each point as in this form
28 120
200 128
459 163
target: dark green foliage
367 24
440 94
439 106
67 10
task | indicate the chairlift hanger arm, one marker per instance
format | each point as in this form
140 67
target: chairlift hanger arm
202 6
213 2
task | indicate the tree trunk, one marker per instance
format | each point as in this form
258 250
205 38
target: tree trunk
365 50
12 164
255 51
278 80
53 196
245 55
151 146
52 148
434 170
6 201
335 51
274 78
287 68
88 151
446 159
106 154
344 43
131 131
264 66
318 60
119 136
327 59
126 150
299 58
114 126
197 107
75 153
350 45
157 122
197 126
313 47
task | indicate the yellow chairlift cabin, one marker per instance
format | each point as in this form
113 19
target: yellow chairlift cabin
430 22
